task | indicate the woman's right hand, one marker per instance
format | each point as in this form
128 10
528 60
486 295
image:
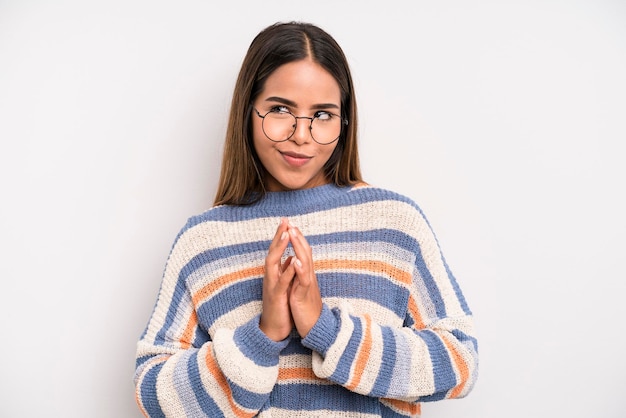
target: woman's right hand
276 320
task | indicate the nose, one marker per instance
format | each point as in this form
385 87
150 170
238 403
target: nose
302 132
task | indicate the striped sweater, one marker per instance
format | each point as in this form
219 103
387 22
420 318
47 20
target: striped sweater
395 329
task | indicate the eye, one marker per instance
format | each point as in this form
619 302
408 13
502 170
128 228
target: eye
281 110
324 116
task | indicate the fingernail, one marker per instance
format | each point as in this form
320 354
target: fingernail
283 235
293 232
296 261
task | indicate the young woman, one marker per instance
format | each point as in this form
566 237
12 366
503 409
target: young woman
304 291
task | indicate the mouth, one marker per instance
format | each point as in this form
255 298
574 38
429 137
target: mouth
295 159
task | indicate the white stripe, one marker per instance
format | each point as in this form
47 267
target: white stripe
367 251
223 267
167 392
358 307
293 361
236 317
317 413
374 361
324 367
242 370
419 384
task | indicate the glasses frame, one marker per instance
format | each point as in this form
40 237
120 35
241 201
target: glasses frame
344 122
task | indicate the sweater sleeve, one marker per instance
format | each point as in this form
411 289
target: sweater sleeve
181 371
433 356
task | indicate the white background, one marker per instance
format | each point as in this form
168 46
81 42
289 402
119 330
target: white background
504 120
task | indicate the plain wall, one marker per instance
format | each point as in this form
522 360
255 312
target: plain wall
505 121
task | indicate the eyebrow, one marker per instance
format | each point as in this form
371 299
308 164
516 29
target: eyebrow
291 103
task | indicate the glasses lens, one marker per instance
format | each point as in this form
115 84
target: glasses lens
326 128
279 126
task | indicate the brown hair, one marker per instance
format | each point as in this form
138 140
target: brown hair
241 177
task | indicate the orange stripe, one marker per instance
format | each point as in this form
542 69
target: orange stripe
415 312
369 265
406 407
186 338
297 373
363 356
225 280
220 379
460 364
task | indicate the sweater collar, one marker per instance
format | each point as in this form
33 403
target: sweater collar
313 197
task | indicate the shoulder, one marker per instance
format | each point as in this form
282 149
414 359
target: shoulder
201 226
369 193
384 207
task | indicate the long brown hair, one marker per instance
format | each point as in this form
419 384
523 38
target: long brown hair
242 174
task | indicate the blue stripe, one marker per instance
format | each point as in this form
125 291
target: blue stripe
439 396
443 371
201 337
385 373
364 286
141 360
295 347
287 204
149 398
431 286
254 344
461 336
311 397
220 303
209 407
373 236
247 399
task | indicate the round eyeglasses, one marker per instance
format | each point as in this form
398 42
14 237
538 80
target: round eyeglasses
279 124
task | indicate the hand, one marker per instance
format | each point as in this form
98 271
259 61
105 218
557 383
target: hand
305 299
276 321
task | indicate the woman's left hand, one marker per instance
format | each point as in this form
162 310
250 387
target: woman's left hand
305 299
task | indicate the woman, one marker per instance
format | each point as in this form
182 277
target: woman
303 291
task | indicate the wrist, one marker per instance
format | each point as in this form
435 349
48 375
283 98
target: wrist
275 334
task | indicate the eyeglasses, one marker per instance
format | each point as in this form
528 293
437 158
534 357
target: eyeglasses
279 124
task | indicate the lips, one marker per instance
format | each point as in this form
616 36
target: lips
295 159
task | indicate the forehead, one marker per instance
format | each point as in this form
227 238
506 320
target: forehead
303 82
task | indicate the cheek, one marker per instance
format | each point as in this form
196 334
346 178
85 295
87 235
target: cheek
328 151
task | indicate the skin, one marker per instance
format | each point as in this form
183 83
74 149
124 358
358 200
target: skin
291 295
303 87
